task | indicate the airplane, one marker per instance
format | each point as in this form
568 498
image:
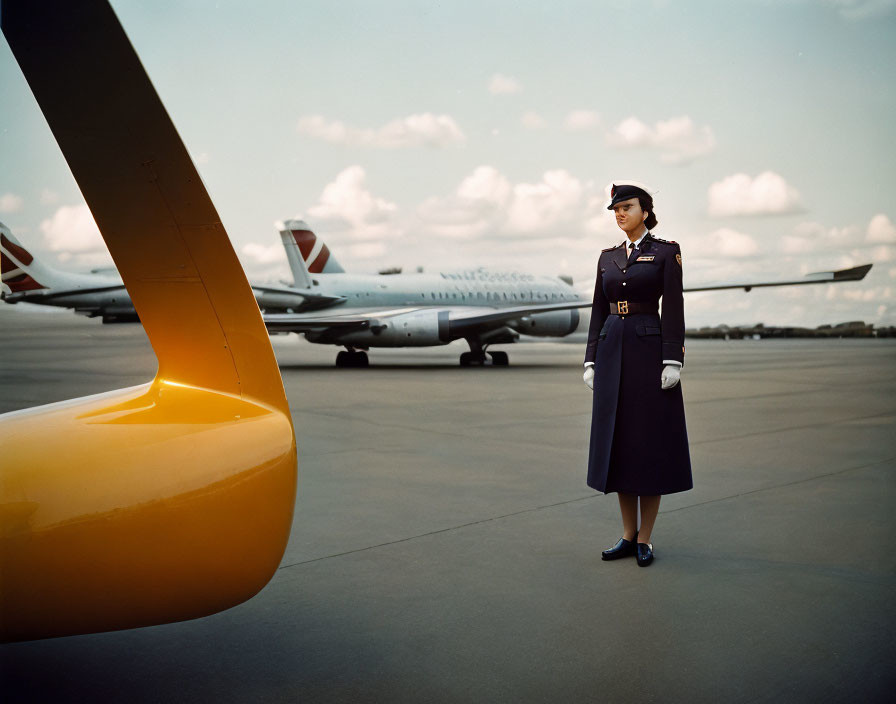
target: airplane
414 310
101 293
400 310
483 307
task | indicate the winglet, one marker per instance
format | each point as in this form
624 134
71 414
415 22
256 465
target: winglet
856 273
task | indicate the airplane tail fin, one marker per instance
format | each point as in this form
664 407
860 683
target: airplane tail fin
306 252
19 270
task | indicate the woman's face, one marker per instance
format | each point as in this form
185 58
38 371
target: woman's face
629 216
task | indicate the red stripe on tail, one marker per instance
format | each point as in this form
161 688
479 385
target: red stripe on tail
22 282
7 264
320 261
18 252
305 239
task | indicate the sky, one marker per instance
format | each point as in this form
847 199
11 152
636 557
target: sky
458 134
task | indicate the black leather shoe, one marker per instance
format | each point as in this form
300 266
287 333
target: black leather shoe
623 548
645 554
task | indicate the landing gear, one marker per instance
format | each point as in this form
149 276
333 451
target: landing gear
499 359
472 359
478 357
352 358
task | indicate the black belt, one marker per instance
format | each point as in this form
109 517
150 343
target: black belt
632 307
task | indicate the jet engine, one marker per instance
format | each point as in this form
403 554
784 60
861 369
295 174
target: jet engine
417 328
555 323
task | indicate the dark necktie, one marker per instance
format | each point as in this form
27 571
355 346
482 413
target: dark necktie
631 246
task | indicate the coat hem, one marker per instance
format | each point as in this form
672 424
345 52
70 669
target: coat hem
642 492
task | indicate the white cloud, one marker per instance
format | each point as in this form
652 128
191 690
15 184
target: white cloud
504 85
485 183
581 120
477 206
367 250
422 129
881 229
538 207
678 139
73 234
263 254
862 9
486 205
347 208
793 245
724 242
11 203
533 121
813 233
882 254
265 262
815 247
767 194
72 229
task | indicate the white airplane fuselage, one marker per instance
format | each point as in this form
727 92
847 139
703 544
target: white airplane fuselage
89 294
424 297
474 287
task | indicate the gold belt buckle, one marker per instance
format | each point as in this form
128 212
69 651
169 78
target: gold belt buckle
622 307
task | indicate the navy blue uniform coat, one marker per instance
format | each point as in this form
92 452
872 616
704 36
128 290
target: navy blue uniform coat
639 443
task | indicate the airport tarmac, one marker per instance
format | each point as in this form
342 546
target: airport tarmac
445 547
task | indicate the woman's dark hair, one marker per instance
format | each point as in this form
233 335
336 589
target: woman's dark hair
647 206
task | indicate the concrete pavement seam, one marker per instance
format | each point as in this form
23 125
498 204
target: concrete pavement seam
789 428
442 530
782 486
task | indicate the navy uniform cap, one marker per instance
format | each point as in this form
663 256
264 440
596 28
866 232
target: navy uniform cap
626 191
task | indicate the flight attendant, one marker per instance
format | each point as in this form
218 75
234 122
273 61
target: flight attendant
639 443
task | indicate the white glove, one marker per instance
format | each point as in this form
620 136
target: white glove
671 376
588 377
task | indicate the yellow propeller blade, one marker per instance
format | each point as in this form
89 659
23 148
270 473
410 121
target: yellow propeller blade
165 501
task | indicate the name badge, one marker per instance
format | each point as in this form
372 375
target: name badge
645 259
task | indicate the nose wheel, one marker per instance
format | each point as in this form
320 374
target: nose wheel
352 358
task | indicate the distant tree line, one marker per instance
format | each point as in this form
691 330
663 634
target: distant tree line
855 328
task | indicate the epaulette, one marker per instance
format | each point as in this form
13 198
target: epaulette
610 249
657 239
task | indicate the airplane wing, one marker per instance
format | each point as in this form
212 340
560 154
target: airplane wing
467 320
821 277
461 320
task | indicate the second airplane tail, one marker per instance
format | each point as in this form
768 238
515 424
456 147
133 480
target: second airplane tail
306 252
20 270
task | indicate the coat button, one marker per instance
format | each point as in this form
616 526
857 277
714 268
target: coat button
623 283
623 271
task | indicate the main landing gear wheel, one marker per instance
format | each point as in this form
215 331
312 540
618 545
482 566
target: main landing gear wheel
477 356
350 358
472 359
499 359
